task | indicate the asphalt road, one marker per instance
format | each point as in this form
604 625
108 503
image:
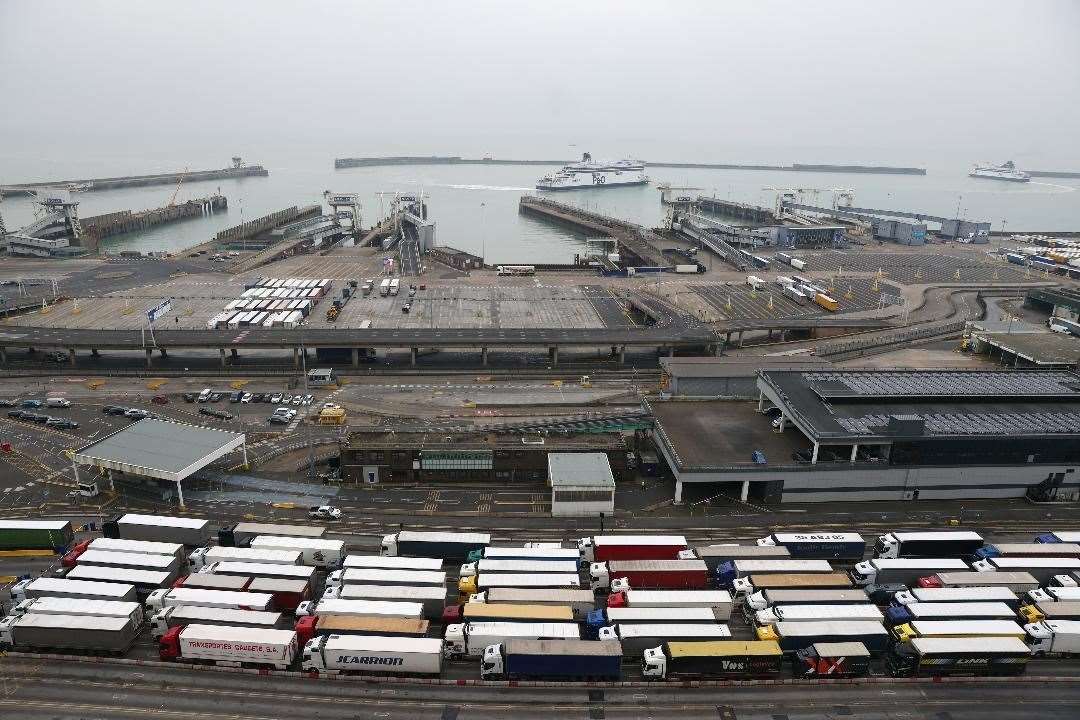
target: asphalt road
37 689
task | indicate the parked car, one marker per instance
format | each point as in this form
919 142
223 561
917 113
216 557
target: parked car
236 397
286 399
33 417
325 512
136 413
246 398
62 423
159 400
30 403
279 420
297 399
204 396
216 397
114 410
7 403
275 398
308 399
190 397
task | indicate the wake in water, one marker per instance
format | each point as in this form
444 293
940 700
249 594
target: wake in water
1057 188
503 188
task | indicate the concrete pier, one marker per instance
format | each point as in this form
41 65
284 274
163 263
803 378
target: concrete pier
743 211
112 183
633 239
98 227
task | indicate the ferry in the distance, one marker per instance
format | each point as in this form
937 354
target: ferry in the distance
594 173
1005 171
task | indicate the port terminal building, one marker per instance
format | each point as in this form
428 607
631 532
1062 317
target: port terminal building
828 435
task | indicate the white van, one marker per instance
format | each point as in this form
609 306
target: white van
57 402
205 395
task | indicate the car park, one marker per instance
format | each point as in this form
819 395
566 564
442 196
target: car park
246 398
325 512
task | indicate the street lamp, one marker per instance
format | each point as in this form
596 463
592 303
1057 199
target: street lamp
483 236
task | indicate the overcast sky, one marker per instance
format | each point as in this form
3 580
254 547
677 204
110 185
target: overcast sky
853 79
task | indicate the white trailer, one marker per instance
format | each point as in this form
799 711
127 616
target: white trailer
518 566
934 543
581 601
487 581
958 611
372 654
905 571
1054 637
239 583
391 562
673 598
433 597
637 638
364 576
1041 568
160 528
470 639
768 598
63 587
134 561
203 556
160 599
663 615
817 613
171 617
145 547
79 606
1015 581
955 595
144 580
798 264
250 569
1053 594
317 552
230 645
532 551
241 534
335 606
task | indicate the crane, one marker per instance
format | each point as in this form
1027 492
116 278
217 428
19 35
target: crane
172 200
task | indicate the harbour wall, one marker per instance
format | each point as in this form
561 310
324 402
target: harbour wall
98 227
136 180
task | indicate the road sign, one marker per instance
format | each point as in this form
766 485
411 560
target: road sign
154 313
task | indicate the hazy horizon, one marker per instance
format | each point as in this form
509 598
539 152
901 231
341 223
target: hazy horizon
912 83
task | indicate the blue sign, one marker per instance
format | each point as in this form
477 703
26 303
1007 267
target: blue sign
154 313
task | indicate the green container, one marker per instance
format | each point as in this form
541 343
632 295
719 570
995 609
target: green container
35 535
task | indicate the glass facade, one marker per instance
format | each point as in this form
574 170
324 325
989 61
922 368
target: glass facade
456 459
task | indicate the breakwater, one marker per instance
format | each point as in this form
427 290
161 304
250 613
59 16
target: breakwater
341 163
97 227
92 184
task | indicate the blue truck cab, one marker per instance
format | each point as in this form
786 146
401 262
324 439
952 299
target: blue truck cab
897 615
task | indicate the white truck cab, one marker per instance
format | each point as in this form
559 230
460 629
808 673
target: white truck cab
454 642
619 584
741 586
305 608
389 546
654 663
491 666
467 570
585 549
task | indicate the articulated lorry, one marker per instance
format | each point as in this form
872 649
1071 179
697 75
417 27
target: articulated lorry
1059 536
720 659
445 545
204 556
602 617
130 561
1032 549
831 660
1054 637
213 644
713 555
433 597
602 548
485 612
192 532
720 599
573 660
176 615
842 546
205 581
62 587
636 638
937 656
258 570
489 581
794 636
79 606
538 551
792 581
241 534
934 544
1041 568
957 595
365 576
956 628
728 572
145 581
161 599
287 593
1052 594
901 614
471 639
581 601
817 613
119 545
366 654
391 562
333 606
902 571
620 575
310 626
1055 610
1015 581
517 566
769 598
51 535
102 635
317 552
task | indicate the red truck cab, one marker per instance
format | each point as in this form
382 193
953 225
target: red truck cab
71 559
169 645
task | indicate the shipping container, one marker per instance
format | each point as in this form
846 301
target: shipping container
55 535
177 615
228 644
433 597
192 532
938 656
85 633
445 545
309 626
637 638
619 575
601 548
197 597
241 534
63 587
579 660
793 636
822 546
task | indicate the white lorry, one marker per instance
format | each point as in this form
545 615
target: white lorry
1054 637
230 645
317 552
334 606
471 639
365 654
201 557
79 606
160 599
170 617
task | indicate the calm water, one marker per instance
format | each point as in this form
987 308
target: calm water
475 207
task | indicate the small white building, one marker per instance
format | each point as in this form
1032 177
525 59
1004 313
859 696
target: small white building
581 484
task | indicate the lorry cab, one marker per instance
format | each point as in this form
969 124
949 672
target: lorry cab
468 569
586 549
389 545
491 664
654 663
474 556
454 642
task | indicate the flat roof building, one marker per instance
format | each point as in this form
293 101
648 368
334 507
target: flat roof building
582 484
883 435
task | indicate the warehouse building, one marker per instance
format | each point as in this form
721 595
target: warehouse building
847 435
582 484
498 457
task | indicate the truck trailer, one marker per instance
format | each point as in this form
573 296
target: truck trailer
484 612
1054 637
365 576
672 598
581 601
433 597
1059 536
53 535
204 556
488 581
937 544
637 638
310 626
62 587
366 654
333 606
197 597
1052 594
842 546
817 613
1018 582
445 545
119 545
205 581
601 548
241 534
79 606
574 660
541 552
902 571
648 574
261 570
176 615
713 555
287 593
192 532
728 572
391 562
602 617
471 639
792 581
145 581
831 660
132 561
956 628
957 595
232 645
901 614
794 636
1059 610
1041 568
103 635
939 656
1032 549
769 597
316 552
518 566
718 659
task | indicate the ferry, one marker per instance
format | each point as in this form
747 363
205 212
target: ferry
1005 171
595 173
